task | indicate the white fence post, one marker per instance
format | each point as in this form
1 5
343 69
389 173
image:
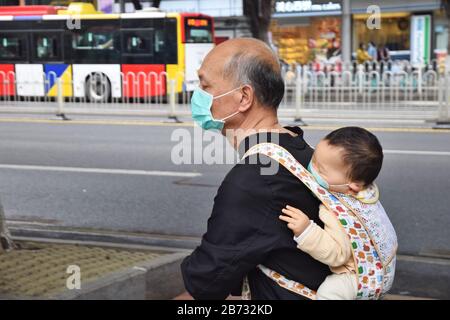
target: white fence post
419 83
299 97
60 99
172 100
447 86
443 119
361 78
444 101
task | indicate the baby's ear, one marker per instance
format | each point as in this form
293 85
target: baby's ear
356 187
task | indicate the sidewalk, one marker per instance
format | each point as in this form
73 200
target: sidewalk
186 120
44 269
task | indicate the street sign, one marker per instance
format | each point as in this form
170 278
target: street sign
420 39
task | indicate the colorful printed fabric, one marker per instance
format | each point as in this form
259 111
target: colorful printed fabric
375 262
369 195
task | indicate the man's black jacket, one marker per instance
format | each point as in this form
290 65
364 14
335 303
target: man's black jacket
244 230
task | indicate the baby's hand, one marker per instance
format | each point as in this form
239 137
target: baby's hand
296 219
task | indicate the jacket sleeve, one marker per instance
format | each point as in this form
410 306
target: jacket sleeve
239 236
329 245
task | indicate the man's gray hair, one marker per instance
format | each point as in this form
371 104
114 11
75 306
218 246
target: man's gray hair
246 67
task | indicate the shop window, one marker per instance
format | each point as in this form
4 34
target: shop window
319 40
394 32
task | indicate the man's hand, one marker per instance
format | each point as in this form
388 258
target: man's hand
296 219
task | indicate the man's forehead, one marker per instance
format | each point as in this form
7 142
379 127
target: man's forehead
209 70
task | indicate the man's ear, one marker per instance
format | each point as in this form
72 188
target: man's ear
247 98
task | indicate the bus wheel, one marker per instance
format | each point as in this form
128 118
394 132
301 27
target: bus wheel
98 88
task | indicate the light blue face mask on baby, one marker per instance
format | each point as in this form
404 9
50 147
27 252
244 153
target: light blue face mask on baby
321 181
201 103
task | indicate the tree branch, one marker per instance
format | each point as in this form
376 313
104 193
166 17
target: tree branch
259 13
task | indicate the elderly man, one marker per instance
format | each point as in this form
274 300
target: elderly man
241 83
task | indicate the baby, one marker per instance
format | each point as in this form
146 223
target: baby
347 161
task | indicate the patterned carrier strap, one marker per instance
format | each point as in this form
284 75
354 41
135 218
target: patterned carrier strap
290 285
370 270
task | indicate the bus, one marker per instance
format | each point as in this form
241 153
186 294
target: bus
100 56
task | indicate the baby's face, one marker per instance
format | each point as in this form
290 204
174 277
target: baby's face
328 161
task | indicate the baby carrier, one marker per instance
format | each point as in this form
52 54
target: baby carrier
371 234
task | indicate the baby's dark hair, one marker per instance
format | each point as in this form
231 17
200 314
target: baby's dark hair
363 153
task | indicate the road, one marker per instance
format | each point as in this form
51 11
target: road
120 176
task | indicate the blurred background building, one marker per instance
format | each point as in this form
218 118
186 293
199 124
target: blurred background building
305 31
302 31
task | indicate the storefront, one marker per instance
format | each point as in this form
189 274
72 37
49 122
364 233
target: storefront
394 33
411 30
310 31
305 31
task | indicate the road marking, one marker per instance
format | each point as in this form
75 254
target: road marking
100 122
191 124
381 129
429 260
34 223
418 153
104 171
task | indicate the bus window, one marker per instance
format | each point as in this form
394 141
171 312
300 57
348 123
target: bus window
165 45
93 40
156 44
139 42
97 42
198 30
12 47
159 41
46 46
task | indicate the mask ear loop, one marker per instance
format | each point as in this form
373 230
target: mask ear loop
340 185
231 115
224 94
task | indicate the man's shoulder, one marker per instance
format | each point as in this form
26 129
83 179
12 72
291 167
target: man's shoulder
249 171
244 191
260 168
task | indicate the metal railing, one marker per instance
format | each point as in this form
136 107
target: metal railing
384 91
152 94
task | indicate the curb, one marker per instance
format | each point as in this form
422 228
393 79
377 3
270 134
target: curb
179 242
159 279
